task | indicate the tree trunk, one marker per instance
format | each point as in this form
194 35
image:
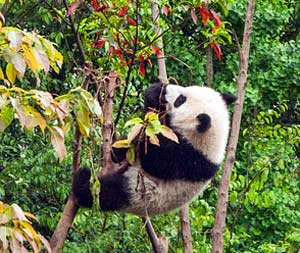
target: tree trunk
209 66
186 229
162 72
221 212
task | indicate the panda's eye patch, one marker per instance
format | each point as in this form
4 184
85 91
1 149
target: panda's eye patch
179 101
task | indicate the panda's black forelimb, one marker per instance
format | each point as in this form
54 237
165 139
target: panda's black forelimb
171 161
113 190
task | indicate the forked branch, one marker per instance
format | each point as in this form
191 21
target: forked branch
220 221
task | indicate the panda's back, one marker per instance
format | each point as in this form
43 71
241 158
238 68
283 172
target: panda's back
149 195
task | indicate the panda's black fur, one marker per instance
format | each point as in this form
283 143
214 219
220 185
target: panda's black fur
182 164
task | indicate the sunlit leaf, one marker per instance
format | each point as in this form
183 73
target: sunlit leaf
15 39
18 213
1 74
168 133
19 64
11 73
83 119
43 60
58 142
130 155
121 144
194 16
154 139
3 236
6 117
134 132
30 58
46 243
133 122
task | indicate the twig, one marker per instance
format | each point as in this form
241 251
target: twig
220 221
76 34
159 244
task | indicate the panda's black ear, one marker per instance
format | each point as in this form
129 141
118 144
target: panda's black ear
154 96
228 98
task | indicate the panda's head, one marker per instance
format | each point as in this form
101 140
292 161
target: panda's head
199 114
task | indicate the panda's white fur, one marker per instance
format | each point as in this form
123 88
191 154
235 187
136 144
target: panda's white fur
157 196
211 143
166 177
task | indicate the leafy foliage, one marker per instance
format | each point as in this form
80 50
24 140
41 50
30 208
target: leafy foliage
22 49
16 229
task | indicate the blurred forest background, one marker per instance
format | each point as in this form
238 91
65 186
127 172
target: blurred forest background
264 201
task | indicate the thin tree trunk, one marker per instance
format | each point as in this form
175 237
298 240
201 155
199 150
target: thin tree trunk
70 209
209 66
162 72
107 130
186 229
159 244
221 212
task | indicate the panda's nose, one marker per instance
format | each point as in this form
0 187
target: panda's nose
204 122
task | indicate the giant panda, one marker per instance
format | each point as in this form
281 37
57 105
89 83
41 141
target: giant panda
166 177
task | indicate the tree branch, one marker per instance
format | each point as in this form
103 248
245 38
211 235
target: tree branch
186 229
71 208
162 72
107 130
76 34
159 244
220 222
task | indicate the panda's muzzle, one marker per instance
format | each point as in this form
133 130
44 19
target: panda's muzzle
204 122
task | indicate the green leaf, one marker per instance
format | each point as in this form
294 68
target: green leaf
121 144
1 74
6 116
83 119
133 122
130 155
11 73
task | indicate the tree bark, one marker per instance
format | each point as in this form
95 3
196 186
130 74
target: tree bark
162 72
159 244
221 212
107 130
186 229
71 208
209 66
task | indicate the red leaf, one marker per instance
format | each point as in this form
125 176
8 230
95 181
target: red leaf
122 12
94 4
137 42
217 50
205 15
99 43
155 50
216 18
131 21
165 10
141 58
194 16
142 69
213 29
72 8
